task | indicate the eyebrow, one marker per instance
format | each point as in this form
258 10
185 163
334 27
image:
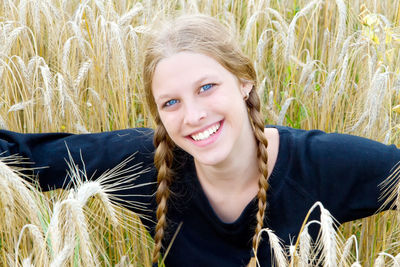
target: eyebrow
205 77
195 83
161 97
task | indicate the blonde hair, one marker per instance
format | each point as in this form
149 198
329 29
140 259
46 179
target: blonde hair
205 35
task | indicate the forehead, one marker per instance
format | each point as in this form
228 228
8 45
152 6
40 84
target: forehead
185 69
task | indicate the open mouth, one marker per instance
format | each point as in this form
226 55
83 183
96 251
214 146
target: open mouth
206 133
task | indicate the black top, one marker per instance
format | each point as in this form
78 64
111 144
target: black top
341 171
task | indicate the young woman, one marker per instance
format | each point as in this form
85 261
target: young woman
221 174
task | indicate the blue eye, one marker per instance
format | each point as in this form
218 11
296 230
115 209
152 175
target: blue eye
171 102
206 87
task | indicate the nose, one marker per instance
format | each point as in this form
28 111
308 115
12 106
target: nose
194 113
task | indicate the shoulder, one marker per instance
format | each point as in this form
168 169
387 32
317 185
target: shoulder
321 145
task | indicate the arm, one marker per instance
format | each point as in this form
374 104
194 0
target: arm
344 172
49 155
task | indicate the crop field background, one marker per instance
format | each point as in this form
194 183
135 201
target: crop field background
75 66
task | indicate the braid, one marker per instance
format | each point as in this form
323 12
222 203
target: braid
163 158
253 104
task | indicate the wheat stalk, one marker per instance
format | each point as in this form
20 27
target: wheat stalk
15 33
47 91
290 39
284 109
61 258
82 73
128 16
38 242
325 89
342 21
276 247
347 249
116 35
328 238
249 26
305 247
7 202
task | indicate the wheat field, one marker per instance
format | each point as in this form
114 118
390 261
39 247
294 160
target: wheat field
75 66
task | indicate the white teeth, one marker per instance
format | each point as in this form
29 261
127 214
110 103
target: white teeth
205 134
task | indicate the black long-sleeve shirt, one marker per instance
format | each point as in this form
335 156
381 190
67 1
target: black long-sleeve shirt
341 171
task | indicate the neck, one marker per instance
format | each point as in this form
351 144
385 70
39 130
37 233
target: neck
233 174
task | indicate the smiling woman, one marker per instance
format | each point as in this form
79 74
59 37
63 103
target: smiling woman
213 126
222 175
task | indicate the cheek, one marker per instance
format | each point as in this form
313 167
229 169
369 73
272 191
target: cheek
170 123
232 103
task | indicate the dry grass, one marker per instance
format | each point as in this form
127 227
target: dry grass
75 66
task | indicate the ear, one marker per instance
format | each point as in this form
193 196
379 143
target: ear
246 87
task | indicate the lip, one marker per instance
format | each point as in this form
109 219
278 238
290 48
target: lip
209 140
204 128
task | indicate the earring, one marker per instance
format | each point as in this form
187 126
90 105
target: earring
246 96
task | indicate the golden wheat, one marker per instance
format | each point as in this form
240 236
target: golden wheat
76 66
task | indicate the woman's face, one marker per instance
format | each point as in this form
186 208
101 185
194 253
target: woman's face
201 106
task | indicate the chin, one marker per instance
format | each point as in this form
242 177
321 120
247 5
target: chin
210 160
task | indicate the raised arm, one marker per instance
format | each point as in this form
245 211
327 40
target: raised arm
49 153
345 172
